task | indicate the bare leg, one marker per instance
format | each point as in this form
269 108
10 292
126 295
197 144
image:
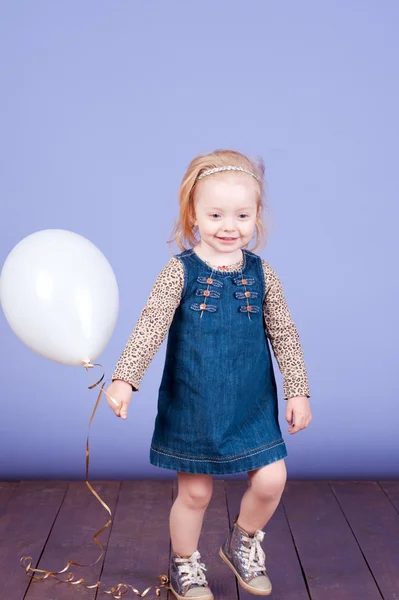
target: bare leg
188 510
260 500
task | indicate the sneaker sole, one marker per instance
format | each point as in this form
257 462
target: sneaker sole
179 597
242 583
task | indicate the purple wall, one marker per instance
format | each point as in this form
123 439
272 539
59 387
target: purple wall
103 106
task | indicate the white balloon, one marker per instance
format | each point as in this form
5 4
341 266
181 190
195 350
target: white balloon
60 296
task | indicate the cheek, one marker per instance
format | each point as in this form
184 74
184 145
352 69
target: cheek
209 227
248 225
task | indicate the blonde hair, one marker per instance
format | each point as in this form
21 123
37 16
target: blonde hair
183 229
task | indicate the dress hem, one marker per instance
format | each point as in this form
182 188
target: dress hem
245 463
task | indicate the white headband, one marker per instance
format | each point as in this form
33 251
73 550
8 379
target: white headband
228 168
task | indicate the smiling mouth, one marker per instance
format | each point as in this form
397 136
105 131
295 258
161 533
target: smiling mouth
226 238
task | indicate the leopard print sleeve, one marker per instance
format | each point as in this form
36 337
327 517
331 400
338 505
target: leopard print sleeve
152 325
284 337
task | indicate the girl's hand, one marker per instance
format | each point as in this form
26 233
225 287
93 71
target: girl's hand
298 408
121 391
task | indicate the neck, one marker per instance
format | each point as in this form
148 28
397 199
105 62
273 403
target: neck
220 260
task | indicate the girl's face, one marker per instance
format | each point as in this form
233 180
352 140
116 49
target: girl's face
225 211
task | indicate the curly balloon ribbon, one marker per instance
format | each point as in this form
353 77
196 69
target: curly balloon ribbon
121 588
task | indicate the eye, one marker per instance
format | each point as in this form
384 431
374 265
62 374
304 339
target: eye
244 215
215 215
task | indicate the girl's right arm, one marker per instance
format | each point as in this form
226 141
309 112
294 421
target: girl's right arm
147 336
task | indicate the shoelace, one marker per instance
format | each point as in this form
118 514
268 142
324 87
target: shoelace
255 554
193 569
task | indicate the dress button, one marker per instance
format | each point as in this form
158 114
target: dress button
244 281
247 294
249 308
209 280
202 306
207 293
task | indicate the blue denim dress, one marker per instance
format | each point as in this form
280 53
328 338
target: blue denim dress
217 401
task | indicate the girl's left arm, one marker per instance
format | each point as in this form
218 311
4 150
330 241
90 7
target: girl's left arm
284 337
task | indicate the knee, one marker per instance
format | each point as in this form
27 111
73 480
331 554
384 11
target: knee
196 493
268 483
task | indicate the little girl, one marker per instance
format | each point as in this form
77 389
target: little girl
217 402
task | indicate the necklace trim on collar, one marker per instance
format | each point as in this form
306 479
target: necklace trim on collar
234 267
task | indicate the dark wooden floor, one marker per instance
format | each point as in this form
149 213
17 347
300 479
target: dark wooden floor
335 540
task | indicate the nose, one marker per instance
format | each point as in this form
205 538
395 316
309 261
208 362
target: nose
228 225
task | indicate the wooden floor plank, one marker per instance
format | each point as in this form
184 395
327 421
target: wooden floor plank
71 538
391 488
138 548
24 528
281 560
6 490
375 523
331 559
214 530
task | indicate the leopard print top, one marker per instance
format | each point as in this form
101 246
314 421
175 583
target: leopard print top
156 317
